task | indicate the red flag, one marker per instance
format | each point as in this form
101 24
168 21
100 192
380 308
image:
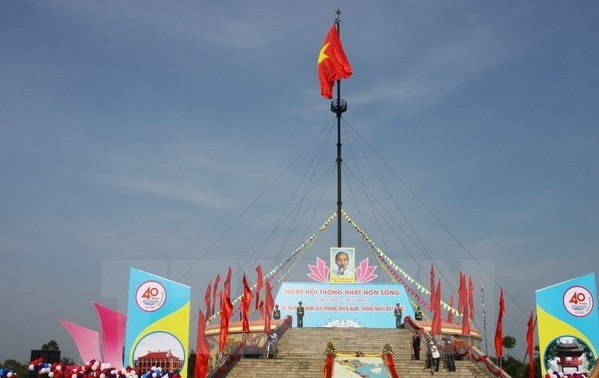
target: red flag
436 324
499 329
462 297
259 284
332 63
465 322
214 291
227 284
261 310
202 348
268 306
471 298
432 287
450 311
207 296
466 310
226 309
529 342
227 291
245 306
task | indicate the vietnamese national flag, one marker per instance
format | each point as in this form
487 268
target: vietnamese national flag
499 329
529 342
332 63
202 349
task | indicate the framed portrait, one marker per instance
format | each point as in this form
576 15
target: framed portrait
343 263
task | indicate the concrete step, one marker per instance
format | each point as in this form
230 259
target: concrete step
301 353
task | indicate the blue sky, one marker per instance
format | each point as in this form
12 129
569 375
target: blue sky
170 136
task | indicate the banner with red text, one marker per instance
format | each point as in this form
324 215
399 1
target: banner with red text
344 305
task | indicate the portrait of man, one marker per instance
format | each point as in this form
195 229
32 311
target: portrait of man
342 265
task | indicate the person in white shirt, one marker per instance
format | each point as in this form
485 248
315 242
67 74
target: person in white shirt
435 355
271 344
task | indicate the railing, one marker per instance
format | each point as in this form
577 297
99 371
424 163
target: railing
480 358
464 349
229 360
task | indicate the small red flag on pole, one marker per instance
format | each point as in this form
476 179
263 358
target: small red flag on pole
499 329
529 346
268 306
450 311
207 298
462 297
259 284
202 348
226 309
466 310
436 324
246 302
432 287
214 292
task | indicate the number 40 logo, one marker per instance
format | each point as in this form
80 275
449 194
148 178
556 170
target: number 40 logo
578 301
150 296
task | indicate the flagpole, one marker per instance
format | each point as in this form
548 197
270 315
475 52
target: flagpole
338 107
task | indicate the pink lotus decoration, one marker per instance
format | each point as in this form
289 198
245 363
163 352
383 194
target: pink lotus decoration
320 271
365 272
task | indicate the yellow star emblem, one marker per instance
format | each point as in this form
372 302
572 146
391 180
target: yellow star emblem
322 56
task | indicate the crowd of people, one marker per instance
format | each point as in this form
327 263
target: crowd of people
434 351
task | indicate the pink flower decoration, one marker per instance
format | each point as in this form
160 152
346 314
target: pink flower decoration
364 272
320 271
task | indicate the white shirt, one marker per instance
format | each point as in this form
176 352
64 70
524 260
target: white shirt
345 272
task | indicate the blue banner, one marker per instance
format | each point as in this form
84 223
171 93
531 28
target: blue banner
344 305
158 316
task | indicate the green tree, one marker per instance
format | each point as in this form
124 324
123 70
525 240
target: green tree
537 365
20 368
67 361
51 346
509 342
512 366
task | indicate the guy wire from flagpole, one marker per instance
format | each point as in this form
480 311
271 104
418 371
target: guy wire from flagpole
338 107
